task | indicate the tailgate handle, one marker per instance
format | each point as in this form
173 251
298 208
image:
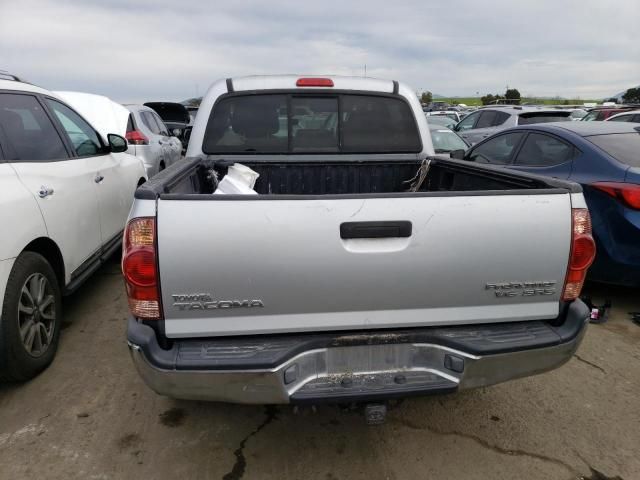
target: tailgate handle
400 228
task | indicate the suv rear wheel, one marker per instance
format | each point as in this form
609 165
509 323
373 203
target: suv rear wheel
31 317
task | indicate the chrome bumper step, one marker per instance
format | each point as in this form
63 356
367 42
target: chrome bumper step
372 387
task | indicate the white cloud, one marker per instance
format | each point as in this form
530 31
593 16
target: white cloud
167 50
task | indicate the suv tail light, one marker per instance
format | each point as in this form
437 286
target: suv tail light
583 252
627 193
139 268
136 137
314 82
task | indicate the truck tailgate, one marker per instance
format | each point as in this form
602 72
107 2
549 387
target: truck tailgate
267 265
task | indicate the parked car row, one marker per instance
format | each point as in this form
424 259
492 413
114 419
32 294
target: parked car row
487 121
606 112
148 136
452 114
65 192
574 113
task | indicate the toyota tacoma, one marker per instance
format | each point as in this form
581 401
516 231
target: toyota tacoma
359 269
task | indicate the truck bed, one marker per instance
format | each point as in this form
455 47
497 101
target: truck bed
330 177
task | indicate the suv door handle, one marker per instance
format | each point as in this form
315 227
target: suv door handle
45 191
393 229
98 178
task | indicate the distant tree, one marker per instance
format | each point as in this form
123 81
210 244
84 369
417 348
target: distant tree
513 95
491 99
426 97
487 99
632 95
612 100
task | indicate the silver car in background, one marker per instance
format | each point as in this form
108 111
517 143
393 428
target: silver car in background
149 139
441 121
577 114
630 116
452 114
486 121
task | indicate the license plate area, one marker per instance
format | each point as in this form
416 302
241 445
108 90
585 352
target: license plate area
367 372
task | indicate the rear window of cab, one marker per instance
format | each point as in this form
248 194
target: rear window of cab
292 123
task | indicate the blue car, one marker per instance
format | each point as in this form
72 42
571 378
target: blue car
604 157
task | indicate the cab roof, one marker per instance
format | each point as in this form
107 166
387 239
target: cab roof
276 82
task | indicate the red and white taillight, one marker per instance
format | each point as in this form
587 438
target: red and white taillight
136 137
583 252
139 267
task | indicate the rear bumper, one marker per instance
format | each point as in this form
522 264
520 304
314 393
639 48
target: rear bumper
358 366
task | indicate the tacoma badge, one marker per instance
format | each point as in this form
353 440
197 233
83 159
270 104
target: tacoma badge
205 301
522 289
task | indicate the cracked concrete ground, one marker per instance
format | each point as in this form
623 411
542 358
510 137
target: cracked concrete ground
89 416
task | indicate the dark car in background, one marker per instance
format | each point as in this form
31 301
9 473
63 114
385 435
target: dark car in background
604 157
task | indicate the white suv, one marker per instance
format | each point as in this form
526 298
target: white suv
65 194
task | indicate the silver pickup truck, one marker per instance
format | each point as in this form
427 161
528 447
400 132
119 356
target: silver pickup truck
360 269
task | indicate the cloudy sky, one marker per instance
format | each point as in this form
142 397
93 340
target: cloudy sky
174 49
